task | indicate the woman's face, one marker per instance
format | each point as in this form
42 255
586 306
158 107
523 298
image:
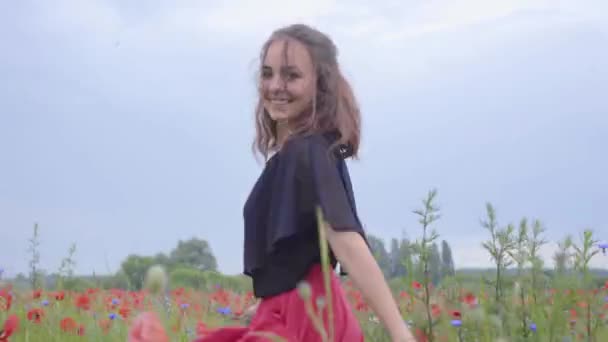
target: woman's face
288 80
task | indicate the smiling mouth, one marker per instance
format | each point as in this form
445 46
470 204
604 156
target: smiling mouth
279 101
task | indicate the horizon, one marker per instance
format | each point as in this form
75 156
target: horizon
125 129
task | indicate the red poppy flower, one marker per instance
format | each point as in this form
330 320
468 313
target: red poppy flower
35 315
83 302
5 300
10 326
68 324
470 299
37 294
60 295
435 310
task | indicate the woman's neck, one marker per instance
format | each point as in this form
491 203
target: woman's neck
283 133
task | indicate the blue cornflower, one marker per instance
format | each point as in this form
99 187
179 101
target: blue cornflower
603 246
224 311
45 302
184 305
115 301
112 316
456 323
533 327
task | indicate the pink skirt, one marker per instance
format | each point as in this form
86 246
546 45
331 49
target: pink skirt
285 315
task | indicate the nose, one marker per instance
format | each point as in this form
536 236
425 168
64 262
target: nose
276 84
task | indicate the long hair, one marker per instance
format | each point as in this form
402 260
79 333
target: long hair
334 107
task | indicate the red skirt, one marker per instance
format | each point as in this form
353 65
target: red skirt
285 315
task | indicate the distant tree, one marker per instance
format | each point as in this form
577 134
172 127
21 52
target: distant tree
135 268
163 259
434 264
406 251
447 262
380 253
394 256
195 253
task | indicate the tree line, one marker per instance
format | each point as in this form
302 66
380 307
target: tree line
402 252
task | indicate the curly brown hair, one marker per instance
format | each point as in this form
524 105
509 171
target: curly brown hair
334 107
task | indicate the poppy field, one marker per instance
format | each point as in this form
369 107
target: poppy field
518 300
562 313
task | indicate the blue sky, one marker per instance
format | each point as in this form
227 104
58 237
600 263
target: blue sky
124 128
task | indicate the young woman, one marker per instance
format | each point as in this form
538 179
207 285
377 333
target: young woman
307 124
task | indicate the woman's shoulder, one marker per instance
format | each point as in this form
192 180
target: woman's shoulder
312 146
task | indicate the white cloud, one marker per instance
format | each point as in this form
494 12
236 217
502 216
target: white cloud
390 20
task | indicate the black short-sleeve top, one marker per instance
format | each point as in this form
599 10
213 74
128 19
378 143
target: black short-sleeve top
281 236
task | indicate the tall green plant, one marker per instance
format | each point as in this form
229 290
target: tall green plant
427 215
582 256
35 258
519 254
66 270
535 242
500 245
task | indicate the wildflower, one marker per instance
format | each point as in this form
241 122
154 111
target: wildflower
435 310
10 326
470 299
5 300
184 306
105 325
201 329
35 315
533 326
603 246
456 323
68 324
45 302
124 312
112 316
416 285
115 301
83 302
224 310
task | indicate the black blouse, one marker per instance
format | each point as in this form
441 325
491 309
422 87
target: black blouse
281 236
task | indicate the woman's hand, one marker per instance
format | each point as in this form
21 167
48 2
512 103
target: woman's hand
250 312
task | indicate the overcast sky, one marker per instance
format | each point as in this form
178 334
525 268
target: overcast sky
126 126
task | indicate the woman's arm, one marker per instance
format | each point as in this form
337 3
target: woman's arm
351 251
